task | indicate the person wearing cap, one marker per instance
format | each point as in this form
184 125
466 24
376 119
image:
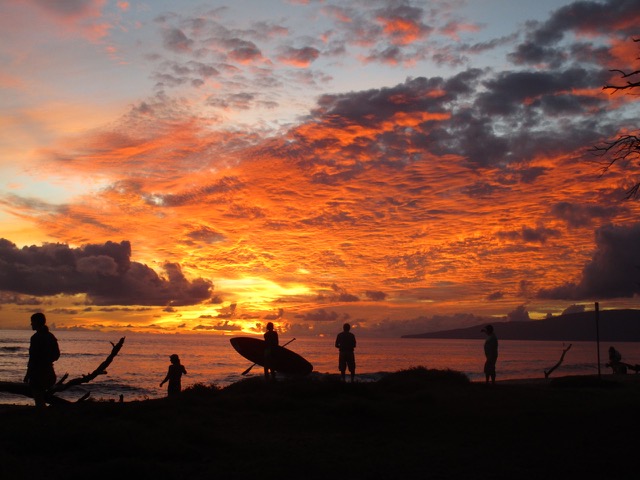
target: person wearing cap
491 354
43 351
174 376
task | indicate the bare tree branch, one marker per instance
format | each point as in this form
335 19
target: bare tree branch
621 150
550 370
101 370
19 388
625 148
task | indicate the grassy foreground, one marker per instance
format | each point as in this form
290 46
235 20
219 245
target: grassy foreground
416 423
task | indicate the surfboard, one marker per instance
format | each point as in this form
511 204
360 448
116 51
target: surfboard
284 360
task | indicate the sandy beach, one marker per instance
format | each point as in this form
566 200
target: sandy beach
415 423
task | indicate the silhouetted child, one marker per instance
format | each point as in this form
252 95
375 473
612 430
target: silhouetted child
176 370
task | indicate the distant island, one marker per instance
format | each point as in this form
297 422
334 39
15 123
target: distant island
614 326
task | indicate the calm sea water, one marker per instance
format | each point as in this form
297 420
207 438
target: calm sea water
143 361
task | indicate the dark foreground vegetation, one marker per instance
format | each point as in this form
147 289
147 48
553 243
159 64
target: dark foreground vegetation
416 423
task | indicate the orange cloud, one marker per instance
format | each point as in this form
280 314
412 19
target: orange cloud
299 57
78 18
402 31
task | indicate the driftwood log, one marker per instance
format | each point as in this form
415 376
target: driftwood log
550 370
18 388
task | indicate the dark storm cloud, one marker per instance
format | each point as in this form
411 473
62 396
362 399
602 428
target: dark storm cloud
103 272
619 17
371 106
532 53
589 17
481 47
508 91
530 235
614 269
580 215
375 295
474 137
494 120
568 104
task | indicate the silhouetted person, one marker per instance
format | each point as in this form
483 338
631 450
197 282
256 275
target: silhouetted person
271 340
615 361
43 351
346 343
174 376
491 354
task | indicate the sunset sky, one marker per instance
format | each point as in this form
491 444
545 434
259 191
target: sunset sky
406 166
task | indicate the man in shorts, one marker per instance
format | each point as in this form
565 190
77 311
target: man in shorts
346 343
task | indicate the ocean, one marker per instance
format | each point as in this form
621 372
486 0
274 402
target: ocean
143 361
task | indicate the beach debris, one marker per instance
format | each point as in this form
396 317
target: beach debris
564 352
20 388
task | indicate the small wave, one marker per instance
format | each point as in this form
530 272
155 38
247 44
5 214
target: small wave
12 349
82 355
110 390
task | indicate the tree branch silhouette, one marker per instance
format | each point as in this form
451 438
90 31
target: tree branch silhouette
19 388
626 147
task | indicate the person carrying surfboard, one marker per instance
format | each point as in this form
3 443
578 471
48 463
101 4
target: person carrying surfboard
271 340
346 343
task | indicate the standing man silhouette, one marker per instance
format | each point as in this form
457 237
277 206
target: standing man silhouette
43 351
271 340
346 343
490 353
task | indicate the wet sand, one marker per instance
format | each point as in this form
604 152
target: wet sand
411 424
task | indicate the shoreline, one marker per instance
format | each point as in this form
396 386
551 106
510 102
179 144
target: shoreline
372 378
415 423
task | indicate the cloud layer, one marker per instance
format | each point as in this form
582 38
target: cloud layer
105 273
375 161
